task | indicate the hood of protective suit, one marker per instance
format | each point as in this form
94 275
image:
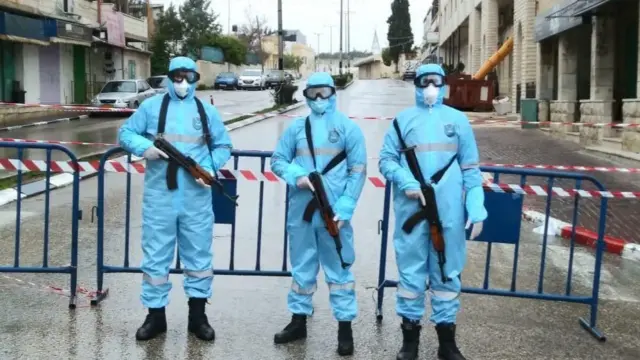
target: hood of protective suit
322 78
182 62
429 68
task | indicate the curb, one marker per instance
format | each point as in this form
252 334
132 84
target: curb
583 236
61 180
345 85
40 123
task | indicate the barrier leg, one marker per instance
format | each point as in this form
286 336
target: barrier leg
100 293
590 326
383 251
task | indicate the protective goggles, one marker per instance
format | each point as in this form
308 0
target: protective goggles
178 75
322 92
425 79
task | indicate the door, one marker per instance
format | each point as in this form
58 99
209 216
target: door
79 75
7 71
50 74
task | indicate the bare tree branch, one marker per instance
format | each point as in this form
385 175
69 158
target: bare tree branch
253 32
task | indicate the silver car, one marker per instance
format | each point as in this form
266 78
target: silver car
123 94
159 83
252 78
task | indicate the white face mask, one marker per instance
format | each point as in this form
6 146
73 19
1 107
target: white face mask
431 94
181 88
319 106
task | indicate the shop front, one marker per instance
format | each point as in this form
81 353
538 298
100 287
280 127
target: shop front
563 74
74 40
15 32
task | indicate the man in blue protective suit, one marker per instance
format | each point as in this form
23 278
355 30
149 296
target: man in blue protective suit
447 156
329 143
183 214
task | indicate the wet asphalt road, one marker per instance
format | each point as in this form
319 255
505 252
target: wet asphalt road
104 129
247 311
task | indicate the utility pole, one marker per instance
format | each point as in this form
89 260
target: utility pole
348 38
318 49
341 10
229 17
280 38
229 28
330 47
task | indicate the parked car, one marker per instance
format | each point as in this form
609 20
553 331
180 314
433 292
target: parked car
409 75
123 94
251 78
274 78
159 83
226 80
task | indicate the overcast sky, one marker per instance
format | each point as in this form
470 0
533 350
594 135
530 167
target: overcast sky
313 16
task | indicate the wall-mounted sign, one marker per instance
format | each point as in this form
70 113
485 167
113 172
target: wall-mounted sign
73 31
559 18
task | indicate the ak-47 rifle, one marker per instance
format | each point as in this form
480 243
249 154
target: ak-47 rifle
428 212
177 159
326 212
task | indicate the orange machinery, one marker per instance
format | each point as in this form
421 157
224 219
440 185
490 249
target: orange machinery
494 60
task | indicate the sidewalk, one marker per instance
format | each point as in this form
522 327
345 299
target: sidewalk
51 117
515 146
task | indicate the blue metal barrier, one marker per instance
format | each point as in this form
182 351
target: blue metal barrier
224 211
503 226
76 215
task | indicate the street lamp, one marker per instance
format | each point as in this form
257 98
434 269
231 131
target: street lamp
318 50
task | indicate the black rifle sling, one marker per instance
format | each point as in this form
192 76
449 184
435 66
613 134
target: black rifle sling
172 168
437 176
313 205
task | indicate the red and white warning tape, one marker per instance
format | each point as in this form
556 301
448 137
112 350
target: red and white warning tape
268 176
50 288
472 119
519 166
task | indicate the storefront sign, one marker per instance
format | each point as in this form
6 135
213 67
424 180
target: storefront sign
557 19
26 27
73 31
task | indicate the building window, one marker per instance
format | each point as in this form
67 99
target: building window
132 69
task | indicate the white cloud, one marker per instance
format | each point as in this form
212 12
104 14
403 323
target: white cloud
312 16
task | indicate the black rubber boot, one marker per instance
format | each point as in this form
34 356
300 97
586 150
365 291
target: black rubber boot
410 340
447 349
295 330
345 338
154 325
198 322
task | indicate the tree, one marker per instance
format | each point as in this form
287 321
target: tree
234 50
165 40
399 34
199 25
253 33
386 57
292 62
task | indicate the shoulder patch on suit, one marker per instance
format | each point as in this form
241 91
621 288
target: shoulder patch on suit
450 130
197 124
334 136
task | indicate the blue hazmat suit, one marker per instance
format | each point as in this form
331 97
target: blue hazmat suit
309 242
438 132
186 213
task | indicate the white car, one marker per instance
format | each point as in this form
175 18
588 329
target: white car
123 94
251 78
